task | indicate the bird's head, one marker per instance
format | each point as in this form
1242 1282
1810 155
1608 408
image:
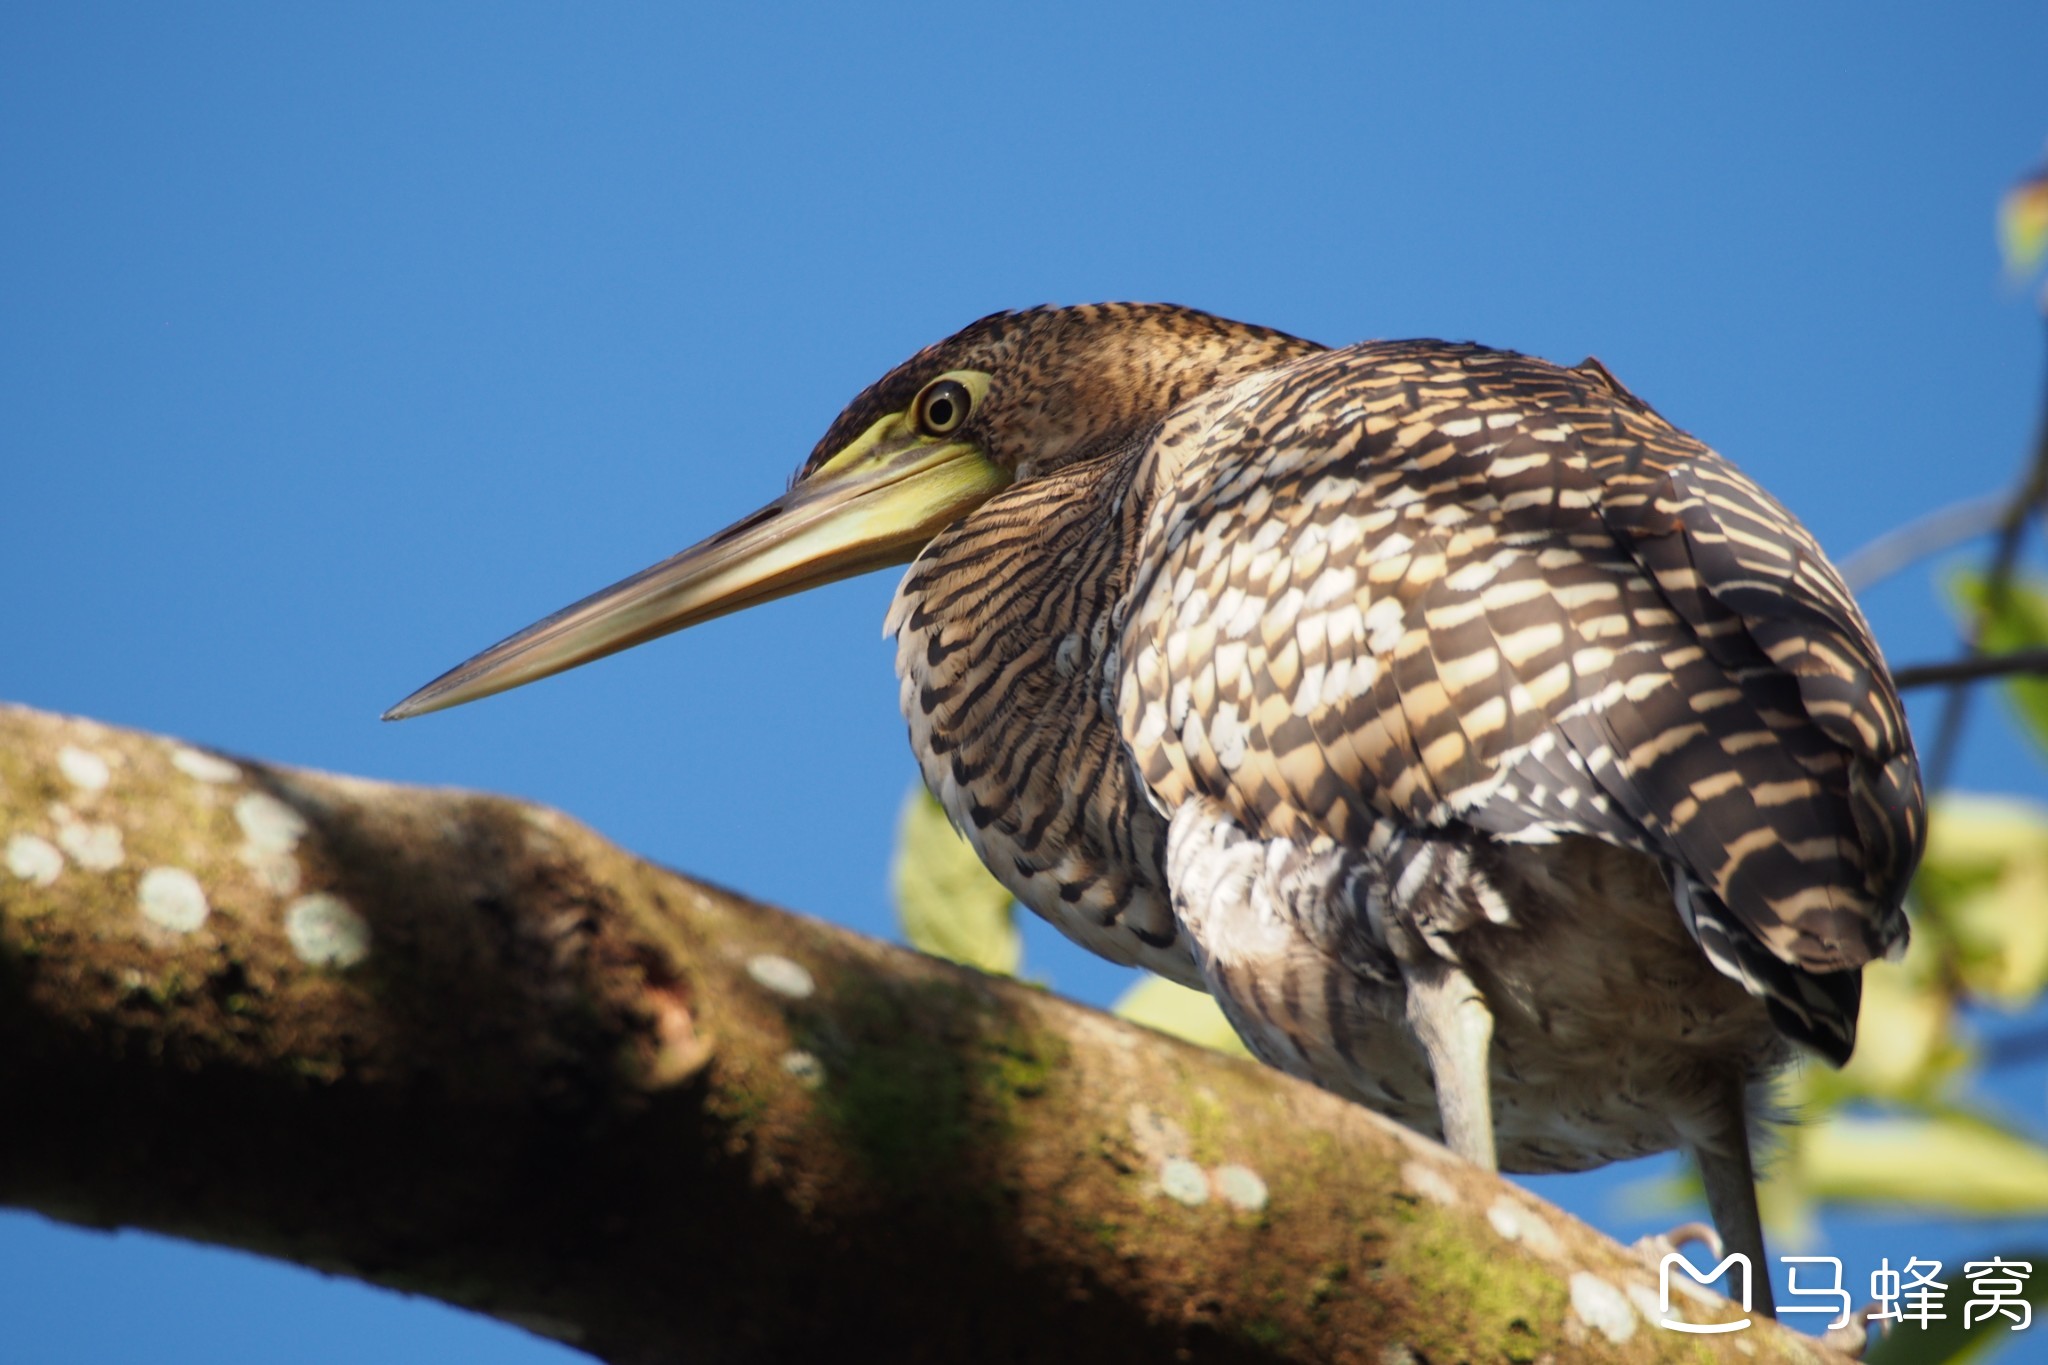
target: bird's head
1005 400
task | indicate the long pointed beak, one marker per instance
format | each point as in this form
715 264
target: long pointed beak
876 505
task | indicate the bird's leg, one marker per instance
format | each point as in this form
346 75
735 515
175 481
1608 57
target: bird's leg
1456 1030
1730 1178
1731 1194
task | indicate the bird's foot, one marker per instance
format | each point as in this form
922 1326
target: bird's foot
1657 1246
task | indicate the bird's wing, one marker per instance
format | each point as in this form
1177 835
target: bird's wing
1454 588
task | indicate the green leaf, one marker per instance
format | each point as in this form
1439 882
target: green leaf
1902 1043
1948 1342
1975 837
2019 620
2006 925
1192 1016
946 902
1952 1163
2023 225
1983 892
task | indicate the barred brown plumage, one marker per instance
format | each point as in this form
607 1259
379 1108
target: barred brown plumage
1498 754
1564 617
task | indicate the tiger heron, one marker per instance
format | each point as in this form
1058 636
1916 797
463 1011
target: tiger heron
1497 754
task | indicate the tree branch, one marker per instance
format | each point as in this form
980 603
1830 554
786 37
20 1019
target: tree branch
1939 530
1972 668
2030 498
464 1047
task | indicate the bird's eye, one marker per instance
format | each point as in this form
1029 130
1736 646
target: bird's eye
942 407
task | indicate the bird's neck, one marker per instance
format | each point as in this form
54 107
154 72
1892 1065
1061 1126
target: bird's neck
1004 641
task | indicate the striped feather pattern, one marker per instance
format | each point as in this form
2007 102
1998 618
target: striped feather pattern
1002 630
1455 588
1296 673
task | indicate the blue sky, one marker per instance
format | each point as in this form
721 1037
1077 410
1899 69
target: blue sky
341 341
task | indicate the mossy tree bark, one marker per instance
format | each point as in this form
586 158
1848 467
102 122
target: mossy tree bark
464 1047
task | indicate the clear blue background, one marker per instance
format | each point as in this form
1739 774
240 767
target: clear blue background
338 341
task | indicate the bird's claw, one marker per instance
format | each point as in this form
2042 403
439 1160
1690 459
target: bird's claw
1657 1246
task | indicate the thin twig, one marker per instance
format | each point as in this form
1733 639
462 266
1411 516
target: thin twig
1974 668
1939 530
2029 498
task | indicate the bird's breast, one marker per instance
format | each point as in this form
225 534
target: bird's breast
1003 649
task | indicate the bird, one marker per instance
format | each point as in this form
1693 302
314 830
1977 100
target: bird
1498 755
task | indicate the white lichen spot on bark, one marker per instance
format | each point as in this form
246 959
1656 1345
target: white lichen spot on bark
271 831
203 767
544 831
1429 1182
268 822
1645 1300
805 1067
171 898
325 932
34 859
83 768
1185 1182
1242 1187
782 976
1519 1224
542 818
93 845
1602 1307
